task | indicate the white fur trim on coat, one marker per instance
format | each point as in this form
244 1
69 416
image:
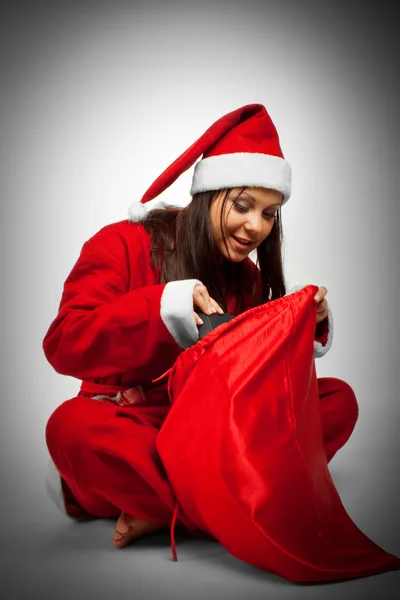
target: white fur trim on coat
242 169
177 311
319 349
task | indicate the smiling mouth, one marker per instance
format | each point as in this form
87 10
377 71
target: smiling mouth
242 242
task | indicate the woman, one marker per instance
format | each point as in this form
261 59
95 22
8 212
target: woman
128 310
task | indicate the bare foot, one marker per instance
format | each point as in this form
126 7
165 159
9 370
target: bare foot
129 529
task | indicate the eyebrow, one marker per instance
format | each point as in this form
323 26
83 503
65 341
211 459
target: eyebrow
254 200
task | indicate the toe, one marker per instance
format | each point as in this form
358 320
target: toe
123 523
122 539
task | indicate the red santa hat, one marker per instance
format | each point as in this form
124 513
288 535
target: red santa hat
240 149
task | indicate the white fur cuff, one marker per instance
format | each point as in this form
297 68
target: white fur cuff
177 311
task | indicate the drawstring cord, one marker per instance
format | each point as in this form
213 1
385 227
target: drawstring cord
172 532
162 376
176 509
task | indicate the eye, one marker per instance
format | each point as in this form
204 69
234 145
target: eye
240 206
270 215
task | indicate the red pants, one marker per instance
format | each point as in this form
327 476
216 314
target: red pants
107 457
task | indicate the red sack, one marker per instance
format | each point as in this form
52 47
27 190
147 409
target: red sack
243 448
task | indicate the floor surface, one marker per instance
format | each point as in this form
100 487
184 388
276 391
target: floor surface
48 556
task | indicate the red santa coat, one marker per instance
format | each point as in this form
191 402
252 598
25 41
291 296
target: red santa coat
119 329
110 329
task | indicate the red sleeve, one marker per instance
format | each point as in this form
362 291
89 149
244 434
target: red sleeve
103 327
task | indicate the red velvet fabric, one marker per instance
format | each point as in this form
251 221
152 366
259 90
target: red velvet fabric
108 462
243 448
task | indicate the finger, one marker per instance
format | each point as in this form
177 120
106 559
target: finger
321 317
202 299
201 290
197 319
322 291
322 306
216 306
204 303
322 314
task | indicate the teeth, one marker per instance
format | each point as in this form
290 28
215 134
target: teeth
242 241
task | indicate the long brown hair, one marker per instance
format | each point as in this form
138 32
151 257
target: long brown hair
183 248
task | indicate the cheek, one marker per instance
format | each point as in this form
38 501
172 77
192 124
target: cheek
233 222
267 229
215 218
214 222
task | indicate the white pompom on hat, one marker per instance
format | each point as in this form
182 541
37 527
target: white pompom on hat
240 149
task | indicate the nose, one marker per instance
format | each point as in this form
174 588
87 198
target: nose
254 223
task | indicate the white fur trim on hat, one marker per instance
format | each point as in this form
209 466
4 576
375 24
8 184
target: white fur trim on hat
138 210
242 169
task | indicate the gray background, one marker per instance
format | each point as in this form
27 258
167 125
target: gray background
97 98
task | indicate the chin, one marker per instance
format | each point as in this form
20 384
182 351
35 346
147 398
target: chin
235 258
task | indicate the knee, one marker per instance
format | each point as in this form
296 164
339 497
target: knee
348 399
66 427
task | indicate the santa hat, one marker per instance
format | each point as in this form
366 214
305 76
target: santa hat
240 149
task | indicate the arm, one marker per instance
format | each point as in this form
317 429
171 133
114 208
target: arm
105 328
323 331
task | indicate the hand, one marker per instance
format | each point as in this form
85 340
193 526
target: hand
322 304
205 303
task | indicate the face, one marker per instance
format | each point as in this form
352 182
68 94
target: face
247 220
